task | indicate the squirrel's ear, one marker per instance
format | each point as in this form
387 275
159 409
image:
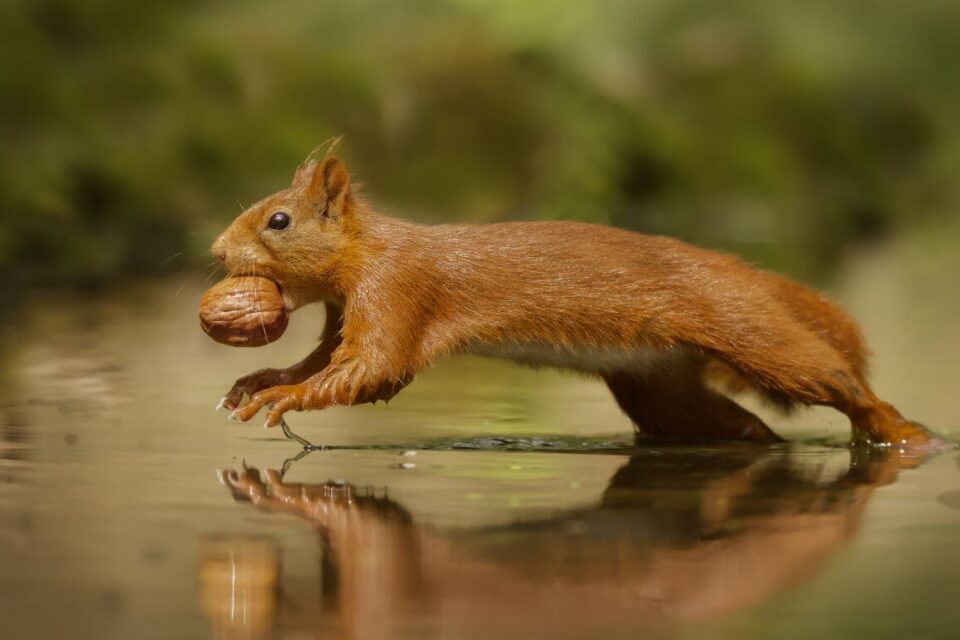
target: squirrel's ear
325 182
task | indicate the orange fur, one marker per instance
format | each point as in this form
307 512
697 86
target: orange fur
649 315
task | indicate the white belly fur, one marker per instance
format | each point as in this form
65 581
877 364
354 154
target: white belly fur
589 359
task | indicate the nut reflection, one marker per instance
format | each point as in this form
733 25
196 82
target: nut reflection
238 584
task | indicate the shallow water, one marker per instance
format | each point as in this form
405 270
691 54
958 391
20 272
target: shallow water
485 501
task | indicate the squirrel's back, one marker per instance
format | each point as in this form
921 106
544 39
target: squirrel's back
537 291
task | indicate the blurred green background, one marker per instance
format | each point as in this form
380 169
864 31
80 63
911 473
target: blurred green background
787 132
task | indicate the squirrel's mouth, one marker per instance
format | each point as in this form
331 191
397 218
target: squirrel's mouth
283 295
289 302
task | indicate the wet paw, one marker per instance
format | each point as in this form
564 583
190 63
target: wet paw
251 384
279 400
906 436
913 436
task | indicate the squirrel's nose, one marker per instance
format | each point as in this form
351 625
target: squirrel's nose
219 251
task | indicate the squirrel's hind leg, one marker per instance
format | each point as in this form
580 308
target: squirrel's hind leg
675 404
799 367
877 422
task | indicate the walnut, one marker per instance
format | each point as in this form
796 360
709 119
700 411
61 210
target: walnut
243 312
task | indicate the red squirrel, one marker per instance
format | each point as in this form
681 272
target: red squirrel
653 317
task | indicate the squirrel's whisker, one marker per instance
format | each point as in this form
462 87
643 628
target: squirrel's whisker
266 335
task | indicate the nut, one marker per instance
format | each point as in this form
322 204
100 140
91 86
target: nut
243 312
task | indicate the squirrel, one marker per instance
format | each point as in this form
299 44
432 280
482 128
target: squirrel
658 320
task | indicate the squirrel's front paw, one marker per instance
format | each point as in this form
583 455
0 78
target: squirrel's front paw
279 399
250 384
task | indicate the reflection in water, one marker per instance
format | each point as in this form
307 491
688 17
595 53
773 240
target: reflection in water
677 534
238 578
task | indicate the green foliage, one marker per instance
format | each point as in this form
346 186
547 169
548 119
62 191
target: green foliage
783 131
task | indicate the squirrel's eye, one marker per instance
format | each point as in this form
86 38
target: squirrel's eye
279 221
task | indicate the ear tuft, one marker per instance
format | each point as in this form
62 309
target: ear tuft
317 155
324 178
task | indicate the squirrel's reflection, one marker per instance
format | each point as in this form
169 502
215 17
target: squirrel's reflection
677 534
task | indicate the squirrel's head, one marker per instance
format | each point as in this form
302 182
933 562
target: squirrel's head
295 236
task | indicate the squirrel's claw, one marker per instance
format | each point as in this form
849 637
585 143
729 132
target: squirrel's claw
280 400
275 415
250 384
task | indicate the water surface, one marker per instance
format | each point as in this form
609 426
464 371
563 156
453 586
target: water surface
485 501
